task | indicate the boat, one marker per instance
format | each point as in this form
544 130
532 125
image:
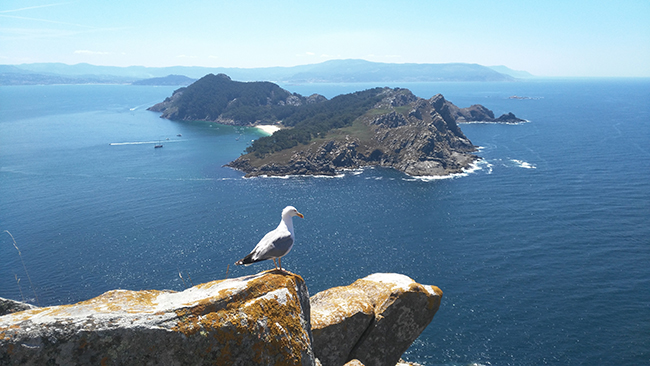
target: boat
157 146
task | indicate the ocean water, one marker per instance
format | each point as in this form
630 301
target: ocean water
542 253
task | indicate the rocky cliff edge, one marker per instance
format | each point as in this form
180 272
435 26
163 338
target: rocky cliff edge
259 319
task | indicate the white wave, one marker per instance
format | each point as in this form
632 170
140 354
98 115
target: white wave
171 179
523 164
473 167
494 123
296 176
133 143
355 171
488 166
140 142
328 176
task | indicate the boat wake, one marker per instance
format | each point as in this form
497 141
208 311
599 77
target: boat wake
140 142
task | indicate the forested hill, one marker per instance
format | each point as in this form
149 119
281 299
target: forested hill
315 120
220 99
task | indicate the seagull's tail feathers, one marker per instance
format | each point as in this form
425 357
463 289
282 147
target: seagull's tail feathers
247 260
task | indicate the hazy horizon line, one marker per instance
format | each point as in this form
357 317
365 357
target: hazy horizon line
532 76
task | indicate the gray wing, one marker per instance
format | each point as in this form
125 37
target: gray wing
277 247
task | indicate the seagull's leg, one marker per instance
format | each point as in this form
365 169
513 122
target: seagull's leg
275 263
280 261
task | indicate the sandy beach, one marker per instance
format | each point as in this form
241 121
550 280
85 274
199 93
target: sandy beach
269 129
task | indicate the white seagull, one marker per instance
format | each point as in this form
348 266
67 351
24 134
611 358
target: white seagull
276 243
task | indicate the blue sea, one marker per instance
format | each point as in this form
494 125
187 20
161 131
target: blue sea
542 252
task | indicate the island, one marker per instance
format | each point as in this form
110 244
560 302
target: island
388 127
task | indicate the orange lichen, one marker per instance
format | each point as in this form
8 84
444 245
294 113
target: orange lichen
122 300
262 314
250 312
437 290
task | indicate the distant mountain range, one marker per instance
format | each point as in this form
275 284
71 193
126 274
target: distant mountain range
334 71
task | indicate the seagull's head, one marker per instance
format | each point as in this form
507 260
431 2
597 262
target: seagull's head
291 211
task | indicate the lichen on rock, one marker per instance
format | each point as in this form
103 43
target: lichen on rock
262 319
259 319
378 317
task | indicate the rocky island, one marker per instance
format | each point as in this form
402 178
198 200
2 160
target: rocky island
388 127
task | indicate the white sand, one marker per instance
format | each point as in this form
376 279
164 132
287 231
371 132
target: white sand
269 129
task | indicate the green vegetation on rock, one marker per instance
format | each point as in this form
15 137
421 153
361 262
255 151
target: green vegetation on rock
316 120
388 127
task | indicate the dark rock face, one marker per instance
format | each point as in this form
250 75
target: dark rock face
10 306
478 113
509 118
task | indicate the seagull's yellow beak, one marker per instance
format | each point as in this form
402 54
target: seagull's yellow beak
300 215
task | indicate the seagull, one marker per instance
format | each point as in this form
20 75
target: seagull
276 243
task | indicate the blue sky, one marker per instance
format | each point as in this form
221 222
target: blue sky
546 38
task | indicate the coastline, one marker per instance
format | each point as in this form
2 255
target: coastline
268 129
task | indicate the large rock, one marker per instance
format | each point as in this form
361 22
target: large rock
339 317
374 320
261 319
8 306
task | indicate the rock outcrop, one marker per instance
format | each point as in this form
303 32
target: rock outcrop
374 320
261 319
264 319
478 113
8 306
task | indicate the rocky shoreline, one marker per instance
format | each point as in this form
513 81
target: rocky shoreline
416 136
